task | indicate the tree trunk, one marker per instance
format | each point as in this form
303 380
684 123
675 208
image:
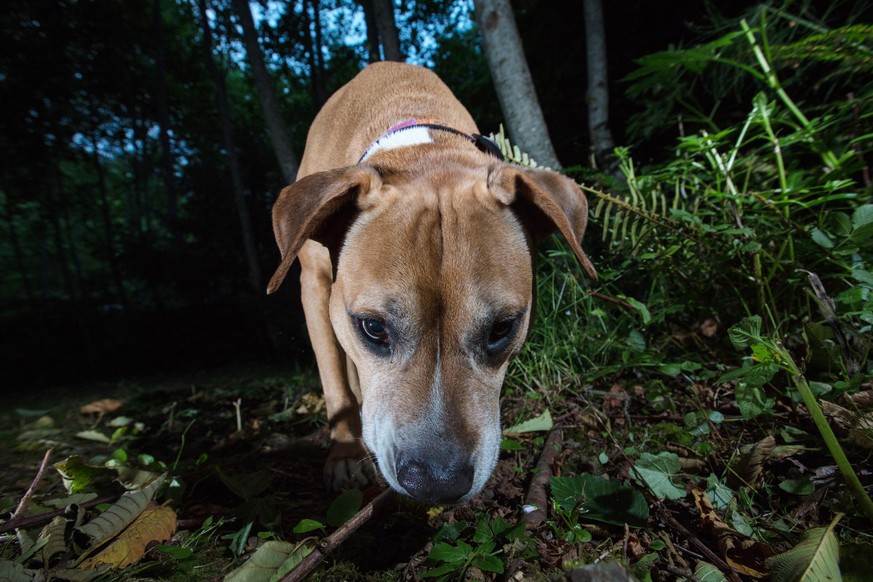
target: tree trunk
315 57
108 229
598 89
19 255
245 221
383 10
167 173
288 161
512 81
372 30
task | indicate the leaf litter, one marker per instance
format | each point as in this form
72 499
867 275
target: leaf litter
617 493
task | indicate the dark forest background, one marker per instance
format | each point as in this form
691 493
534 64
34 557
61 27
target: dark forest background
123 222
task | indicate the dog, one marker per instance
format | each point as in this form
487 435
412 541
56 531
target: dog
416 244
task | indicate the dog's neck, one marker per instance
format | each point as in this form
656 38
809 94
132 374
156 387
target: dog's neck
418 131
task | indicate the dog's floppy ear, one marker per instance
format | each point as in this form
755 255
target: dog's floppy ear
319 207
545 201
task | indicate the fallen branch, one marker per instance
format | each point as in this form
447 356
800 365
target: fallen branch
536 494
19 511
333 541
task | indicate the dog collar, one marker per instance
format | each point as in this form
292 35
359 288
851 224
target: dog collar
417 131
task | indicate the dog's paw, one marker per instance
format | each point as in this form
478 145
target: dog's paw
348 466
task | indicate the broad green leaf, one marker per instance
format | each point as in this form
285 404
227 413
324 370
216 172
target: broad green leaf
265 563
820 238
751 400
292 561
803 486
746 332
719 494
444 552
657 471
862 222
541 423
307 525
815 557
605 500
488 563
77 474
344 507
706 572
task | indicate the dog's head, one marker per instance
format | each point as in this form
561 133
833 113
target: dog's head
432 297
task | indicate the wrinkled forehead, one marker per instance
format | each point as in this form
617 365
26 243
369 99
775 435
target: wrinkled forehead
453 245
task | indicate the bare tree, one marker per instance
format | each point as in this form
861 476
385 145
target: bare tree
248 238
512 80
383 40
314 55
598 89
166 164
387 27
275 125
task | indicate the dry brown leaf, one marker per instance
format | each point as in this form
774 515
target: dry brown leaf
751 464
102 406
745 555
859 425
708 328
862 399
156 524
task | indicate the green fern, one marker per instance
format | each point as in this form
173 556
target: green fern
625 221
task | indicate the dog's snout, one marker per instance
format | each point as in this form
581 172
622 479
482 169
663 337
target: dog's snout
436 480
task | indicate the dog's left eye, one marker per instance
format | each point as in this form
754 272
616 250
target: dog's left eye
374 331
500 334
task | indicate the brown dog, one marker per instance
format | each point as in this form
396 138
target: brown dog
415 245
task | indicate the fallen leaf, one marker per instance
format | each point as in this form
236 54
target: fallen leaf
815 557
156 523
745 555
751 464
102 406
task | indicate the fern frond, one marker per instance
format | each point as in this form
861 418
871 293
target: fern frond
625 221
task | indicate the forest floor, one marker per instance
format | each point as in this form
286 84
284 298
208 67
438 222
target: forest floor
243 450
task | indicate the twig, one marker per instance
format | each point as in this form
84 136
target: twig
536 493
726 569
333 541
29 521
30 490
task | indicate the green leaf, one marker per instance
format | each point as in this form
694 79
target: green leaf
706 572
751 400
246 485
457 554
658 471
307 525
801 486
746 332
606 500
541 423
264 565
820 238
510 445
862 222
488 563
344 507
815 557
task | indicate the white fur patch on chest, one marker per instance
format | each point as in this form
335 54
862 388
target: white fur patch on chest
401 138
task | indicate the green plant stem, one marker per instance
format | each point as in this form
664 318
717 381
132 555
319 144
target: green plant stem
773 82
833 445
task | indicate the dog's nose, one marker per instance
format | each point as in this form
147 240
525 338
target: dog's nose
435 482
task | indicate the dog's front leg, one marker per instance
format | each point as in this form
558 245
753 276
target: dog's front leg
347 464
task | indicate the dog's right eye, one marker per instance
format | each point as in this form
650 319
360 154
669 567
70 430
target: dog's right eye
374 331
